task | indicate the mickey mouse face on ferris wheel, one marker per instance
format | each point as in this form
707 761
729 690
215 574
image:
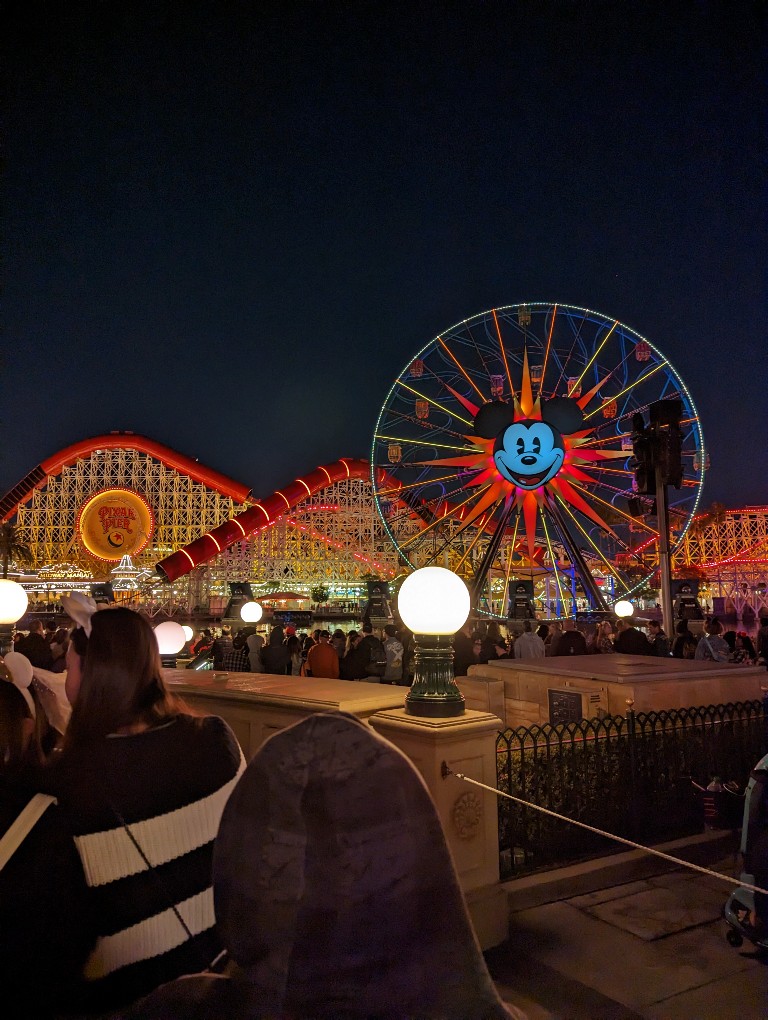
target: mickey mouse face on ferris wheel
529 453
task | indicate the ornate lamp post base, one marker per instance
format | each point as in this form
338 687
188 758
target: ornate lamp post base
434 692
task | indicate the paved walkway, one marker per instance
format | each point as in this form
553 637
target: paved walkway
652 946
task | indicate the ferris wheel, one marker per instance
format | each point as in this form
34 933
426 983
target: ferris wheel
503 450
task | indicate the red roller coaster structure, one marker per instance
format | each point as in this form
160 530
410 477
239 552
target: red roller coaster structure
259 515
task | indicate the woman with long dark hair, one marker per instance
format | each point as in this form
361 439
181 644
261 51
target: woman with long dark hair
142 783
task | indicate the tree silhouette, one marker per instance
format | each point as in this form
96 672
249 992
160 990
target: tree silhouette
11 548
320 593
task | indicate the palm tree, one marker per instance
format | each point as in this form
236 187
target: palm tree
11 548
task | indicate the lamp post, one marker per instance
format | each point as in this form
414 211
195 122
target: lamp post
434 603
13 605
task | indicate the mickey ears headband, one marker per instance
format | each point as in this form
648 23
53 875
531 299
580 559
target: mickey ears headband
79 608
19 669
562 413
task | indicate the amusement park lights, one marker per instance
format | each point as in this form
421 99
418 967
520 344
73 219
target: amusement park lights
622 608
434 603
331 543
170 637
251 612
433 600
13 604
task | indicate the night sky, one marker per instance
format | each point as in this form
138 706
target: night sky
228 226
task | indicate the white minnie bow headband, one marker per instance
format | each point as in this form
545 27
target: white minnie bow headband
20 669
79 608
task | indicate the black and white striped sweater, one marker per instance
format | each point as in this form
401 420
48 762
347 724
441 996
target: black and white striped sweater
169 786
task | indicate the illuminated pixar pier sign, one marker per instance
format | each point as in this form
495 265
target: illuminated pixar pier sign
114 523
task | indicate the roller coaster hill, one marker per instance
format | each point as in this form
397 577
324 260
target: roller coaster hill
124 515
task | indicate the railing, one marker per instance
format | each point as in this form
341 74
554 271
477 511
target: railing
629 775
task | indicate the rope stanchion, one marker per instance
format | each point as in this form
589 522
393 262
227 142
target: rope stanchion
446 771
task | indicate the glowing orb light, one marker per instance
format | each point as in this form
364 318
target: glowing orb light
188 632
250 612
170 637
13 601
433 600
623 608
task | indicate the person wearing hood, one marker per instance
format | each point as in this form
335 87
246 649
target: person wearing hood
335 892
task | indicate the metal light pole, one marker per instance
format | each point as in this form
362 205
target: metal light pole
662 518
658 463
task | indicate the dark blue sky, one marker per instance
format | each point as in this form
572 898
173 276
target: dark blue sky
229 226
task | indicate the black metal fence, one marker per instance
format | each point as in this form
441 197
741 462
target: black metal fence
629 775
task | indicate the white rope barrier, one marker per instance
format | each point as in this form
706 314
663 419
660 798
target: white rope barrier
448 771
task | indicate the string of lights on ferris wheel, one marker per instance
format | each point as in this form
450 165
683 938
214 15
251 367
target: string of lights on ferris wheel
429 421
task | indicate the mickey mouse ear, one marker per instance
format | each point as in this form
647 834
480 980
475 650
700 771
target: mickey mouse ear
492 418
563 413
79 608
20 668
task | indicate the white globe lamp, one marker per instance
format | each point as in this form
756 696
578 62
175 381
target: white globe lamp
13 605
623 609
13 601
251 612
170 637
434 603
433 600
188 632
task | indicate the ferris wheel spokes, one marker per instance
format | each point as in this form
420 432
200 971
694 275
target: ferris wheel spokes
524 356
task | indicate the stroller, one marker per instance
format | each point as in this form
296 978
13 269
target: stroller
740 905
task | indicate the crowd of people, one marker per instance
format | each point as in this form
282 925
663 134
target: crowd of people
357 655
474 645
110 811
136 850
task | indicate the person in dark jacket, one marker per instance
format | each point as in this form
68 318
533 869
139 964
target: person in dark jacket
35 646
354 665
276 655
490 640
221 648
373 658
463 651
571 641
631 641
685 642
658 639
